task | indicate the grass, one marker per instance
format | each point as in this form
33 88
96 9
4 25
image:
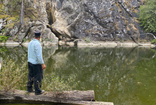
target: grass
51 82
13 76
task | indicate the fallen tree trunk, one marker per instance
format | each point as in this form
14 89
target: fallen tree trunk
70 97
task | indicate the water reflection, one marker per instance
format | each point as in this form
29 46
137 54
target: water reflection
125 76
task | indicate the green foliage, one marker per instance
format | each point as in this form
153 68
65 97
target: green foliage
12 10
14 72
51 82
3 30
9 12
147 16
11 75
11 7
153 41
87 40
3 38
3 50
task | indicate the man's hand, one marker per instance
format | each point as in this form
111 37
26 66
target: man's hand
43 66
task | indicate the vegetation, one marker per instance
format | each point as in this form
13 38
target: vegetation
14 73
12 78
3 38
16 11
147 16
10 10
11 75
51 82
87 40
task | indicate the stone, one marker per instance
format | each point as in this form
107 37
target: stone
93 20
48 37
14 30
25 44
11 43
71 44
61 43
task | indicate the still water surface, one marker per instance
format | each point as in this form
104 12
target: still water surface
124 76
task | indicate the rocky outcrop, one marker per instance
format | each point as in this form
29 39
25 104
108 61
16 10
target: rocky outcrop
97 20
25 32
82 20
2 25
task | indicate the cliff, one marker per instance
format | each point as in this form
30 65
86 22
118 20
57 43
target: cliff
80 20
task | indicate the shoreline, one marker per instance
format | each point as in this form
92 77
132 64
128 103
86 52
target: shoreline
107 44
116 44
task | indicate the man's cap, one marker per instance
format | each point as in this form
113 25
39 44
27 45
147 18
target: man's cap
37 33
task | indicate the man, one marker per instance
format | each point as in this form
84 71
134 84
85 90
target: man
35 65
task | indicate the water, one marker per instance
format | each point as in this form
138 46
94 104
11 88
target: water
124 76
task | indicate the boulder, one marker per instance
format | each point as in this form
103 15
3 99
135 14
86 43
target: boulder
97 20
49 38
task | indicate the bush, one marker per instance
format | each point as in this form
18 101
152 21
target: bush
147 16
3 38
11 75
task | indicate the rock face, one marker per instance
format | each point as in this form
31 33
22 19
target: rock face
86 20
25 32
2 25
98 20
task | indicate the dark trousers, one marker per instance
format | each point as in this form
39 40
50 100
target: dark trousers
35 76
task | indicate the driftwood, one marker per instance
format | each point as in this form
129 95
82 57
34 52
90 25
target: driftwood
67 97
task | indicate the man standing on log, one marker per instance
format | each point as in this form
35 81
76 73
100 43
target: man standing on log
35 65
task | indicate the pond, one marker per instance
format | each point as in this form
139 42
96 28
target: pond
124 76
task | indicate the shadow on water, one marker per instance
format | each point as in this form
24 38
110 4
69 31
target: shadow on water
125 76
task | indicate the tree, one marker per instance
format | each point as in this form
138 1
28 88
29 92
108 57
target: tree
147 16
22 13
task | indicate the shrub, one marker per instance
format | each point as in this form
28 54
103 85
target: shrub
11 75
147 16
3 38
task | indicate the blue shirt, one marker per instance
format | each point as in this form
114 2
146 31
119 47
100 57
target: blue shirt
35 52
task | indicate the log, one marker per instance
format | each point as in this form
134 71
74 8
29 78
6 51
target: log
67 97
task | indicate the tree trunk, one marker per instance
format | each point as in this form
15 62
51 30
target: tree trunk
68 97
22 13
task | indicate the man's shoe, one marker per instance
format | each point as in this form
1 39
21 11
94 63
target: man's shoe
29 91
42 91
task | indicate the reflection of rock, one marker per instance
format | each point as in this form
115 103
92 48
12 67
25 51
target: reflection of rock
107 70
19 54
48 51
61 59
